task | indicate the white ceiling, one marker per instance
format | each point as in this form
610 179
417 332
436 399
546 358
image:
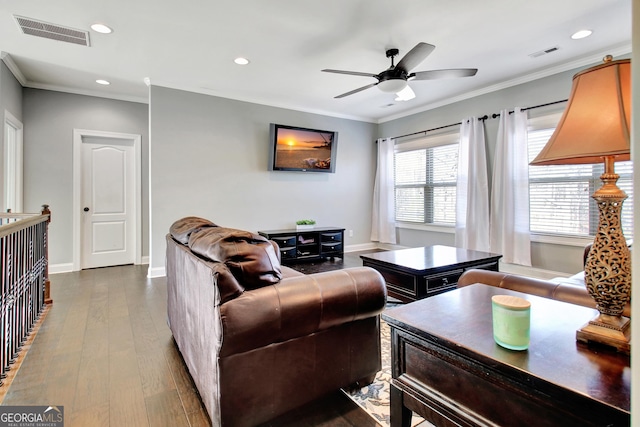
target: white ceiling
191 45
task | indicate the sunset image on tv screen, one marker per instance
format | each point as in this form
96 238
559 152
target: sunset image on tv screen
303 149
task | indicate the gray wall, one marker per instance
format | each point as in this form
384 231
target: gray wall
209 158
553 257
10 100
49 120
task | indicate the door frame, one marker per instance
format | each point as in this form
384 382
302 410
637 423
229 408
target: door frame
18 161
78 135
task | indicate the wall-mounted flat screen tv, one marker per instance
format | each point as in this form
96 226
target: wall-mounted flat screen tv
302 149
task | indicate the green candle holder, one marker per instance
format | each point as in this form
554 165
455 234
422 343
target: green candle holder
511 321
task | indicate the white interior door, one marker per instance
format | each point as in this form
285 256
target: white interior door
108 202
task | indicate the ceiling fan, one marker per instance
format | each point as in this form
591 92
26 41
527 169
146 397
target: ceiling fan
395 78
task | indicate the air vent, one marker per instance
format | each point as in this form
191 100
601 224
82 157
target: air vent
52 31
544 52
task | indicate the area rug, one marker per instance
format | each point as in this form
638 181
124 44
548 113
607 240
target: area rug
374 398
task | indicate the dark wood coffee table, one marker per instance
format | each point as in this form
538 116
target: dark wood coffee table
416 273
447 367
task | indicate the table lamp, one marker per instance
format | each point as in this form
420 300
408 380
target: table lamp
594 128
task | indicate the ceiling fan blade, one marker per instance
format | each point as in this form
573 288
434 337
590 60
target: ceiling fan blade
443 74
356 90
351 73
415 56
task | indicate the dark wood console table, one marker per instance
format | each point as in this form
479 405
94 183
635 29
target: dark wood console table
417 273
311 244
447 367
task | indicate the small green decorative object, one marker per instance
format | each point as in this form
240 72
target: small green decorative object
306 222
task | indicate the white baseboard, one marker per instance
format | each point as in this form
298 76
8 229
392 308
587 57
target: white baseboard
392 247
60 268
537 273
67 267
360 247
156 272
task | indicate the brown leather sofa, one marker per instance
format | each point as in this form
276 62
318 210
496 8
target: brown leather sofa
562 291
258 338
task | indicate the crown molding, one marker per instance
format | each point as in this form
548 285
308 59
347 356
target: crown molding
13 67
97 94
211 92
17 73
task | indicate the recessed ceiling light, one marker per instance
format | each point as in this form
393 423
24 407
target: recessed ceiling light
581 34
101 28
103 82
241 61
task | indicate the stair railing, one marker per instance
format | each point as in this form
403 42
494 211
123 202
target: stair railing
24 291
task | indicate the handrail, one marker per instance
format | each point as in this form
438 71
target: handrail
21 222
24 279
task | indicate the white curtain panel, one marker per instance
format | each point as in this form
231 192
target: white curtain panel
383 225
472 190
510 195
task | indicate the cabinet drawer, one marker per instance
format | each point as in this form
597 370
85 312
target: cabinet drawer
288 252
442 282
331 247
284 241
331 237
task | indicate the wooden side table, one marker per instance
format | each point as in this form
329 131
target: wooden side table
447 367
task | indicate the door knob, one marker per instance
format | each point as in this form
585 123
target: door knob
86 209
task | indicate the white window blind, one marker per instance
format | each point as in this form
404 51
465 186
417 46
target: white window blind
425 183
560 195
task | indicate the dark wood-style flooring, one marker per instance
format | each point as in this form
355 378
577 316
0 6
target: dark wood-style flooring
104 352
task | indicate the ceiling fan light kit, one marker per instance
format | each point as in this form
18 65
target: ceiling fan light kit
405 94
394 79
392 86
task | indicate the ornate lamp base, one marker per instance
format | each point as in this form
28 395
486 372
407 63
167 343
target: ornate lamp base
607 272
613 331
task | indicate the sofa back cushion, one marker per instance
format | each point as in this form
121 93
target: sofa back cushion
181 229
250 257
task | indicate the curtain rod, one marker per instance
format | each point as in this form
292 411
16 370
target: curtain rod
485 117
496 115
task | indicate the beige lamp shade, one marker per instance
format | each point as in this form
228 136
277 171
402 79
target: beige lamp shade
596 120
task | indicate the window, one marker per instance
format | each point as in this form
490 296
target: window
425 180
560 200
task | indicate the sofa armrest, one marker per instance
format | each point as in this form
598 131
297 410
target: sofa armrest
300 306
529 285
